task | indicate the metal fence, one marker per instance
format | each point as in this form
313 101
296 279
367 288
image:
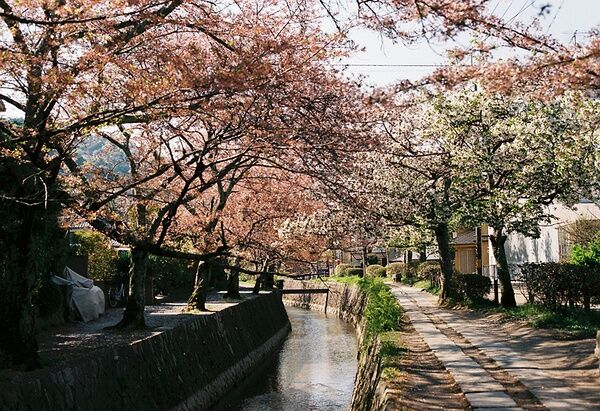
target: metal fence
516 278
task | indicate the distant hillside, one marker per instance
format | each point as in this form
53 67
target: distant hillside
97 151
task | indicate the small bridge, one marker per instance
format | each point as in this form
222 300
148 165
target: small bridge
308 290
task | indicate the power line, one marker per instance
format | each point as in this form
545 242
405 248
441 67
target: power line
388 65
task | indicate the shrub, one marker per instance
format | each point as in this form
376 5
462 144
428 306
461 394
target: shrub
393 269
341 270
431 271
374 270
556 286
472 287
102 258
587 255
170 273
382 311
246 278
412 267
47 297
354 271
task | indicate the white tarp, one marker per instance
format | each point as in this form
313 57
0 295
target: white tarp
84 299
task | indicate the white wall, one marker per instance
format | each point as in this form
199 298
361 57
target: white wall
521 249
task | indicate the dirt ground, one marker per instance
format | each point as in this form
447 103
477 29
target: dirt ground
424 383
75 339
567 359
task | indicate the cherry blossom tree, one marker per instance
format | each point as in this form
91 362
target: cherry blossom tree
108 70
513 157
538 62
68 69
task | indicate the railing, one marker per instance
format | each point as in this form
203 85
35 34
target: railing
516 279
492 272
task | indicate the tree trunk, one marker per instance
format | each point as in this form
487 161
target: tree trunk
364 261
423 254
233 283
133 316
260 279
442 235
18 344
498 239
197 300
269 278
257 283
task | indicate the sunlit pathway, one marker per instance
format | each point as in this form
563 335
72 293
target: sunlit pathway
497 370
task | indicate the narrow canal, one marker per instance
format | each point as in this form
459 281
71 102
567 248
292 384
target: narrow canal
314 369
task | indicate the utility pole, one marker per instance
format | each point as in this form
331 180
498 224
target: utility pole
478 251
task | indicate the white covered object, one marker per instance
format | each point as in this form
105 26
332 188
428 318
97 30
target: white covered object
84 299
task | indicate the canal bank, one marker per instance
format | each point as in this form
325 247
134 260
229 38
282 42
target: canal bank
348 302
188 367
313 370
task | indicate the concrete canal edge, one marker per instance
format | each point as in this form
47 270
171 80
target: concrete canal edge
347 302
187 368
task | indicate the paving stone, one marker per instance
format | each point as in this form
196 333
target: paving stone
492 399
535 378
551 391
481 387
470 376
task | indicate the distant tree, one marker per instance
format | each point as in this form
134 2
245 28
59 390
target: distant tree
102 258
409 180
582 231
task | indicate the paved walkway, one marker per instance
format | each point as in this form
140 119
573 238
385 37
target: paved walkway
497 370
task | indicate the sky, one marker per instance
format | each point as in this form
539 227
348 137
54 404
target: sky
566 17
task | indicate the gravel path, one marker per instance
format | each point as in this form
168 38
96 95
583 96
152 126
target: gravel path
502 364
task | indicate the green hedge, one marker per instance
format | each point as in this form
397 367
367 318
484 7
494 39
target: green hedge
170 274
557 286
357 271
102 258
341 270
472 287
375 270
431 271
393 269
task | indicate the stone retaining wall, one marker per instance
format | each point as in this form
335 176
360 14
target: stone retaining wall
348 302
187 368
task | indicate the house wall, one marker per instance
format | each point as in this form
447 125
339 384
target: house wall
464 258
521 249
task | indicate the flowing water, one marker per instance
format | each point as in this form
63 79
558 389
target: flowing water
314 369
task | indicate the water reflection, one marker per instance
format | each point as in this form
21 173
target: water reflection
314 369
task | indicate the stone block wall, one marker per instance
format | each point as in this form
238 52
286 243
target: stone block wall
348 302
187 368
